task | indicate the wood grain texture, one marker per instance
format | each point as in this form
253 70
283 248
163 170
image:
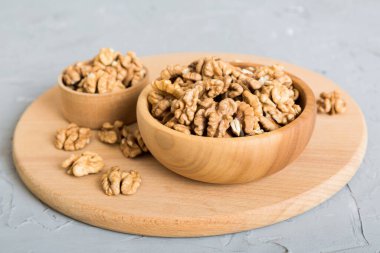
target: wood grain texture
92 110
228 160
170 205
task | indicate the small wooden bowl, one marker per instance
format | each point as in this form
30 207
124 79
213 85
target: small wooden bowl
92 110
228 160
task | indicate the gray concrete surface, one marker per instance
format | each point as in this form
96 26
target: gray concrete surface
340 39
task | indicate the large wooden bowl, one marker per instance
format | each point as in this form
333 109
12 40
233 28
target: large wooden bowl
92 110
228 160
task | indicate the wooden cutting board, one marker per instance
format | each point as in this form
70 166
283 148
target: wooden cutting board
172 206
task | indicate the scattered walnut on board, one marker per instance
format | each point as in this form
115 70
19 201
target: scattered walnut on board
331 103
210 97
132 144
72 137
129 138
115 182
111 133
80 165
109 71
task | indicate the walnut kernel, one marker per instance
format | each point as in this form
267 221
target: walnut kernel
111 133
72 137
83 164
115 181
331 103
132 144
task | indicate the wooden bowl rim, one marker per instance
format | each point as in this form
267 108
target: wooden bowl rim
127 90
308 111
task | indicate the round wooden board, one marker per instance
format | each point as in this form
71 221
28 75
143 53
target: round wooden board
172 206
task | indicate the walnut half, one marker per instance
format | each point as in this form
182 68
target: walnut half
331 103
111 133
83 164
115 181
132 144
72 137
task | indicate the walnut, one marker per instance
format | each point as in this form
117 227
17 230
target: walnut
280 94
254 102
106 56
138 76
200 119
111 133
111 181
250 82
132 144
83 164
131 181
219 68
274 73
72 137
160 108
200 122
268 123
168 87
156 96
184 108
109 71
116 181
235 90
71 75
248 120
214 87
90 82
134 68
280 117
192 76
219 120
331 103
172 71
108 83
266 101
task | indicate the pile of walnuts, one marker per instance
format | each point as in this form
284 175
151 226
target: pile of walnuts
213 98
115 181
109 71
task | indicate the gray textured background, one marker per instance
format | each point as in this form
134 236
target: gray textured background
340 39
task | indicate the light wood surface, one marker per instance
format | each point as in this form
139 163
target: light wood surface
92 110
228 160
170 205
